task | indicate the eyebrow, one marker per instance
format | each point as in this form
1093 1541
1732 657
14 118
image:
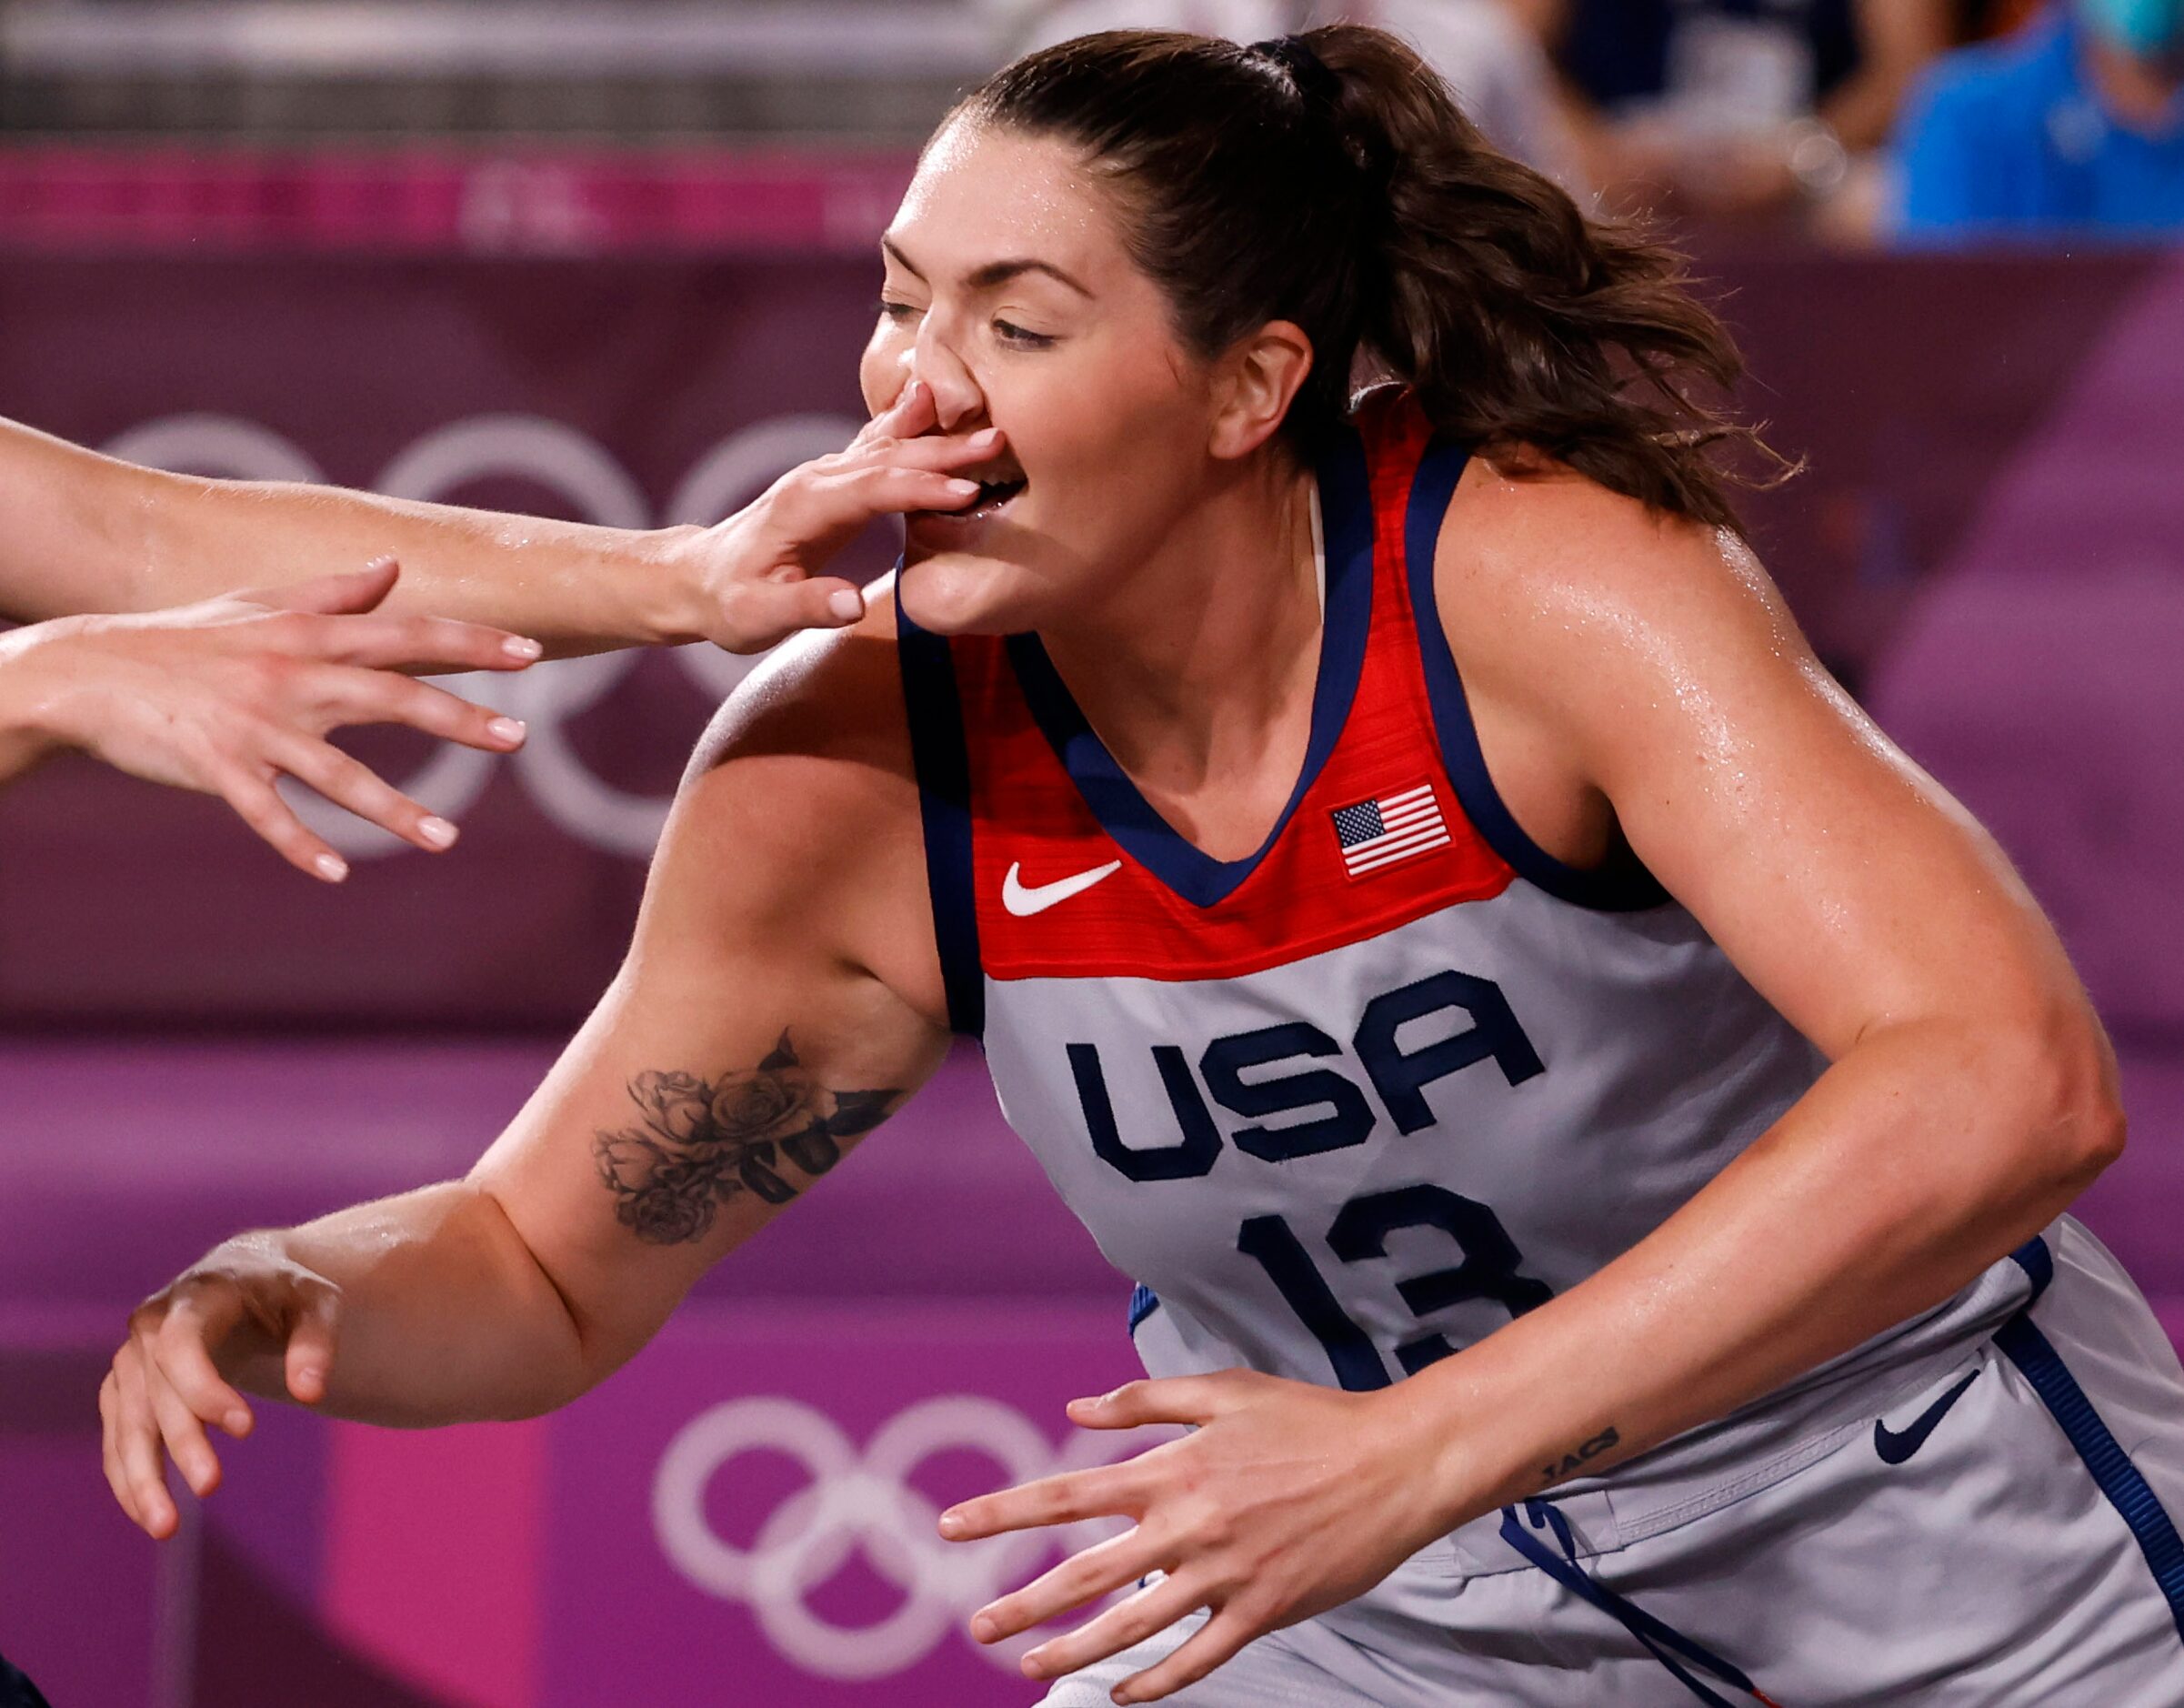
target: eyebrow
994 273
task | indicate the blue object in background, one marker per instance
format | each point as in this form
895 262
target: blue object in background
2010 141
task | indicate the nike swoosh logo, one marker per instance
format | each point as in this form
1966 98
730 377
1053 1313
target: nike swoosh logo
1895 1446
1024 899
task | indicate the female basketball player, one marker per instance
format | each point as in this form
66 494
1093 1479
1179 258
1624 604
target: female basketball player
1592 1119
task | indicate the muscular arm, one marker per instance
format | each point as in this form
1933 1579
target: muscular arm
778 1002
1971 1094
748 1042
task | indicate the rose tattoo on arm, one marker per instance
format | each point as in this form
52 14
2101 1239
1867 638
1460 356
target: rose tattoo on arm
702 1141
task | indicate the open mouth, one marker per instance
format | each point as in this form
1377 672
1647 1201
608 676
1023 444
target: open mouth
998 488
993 495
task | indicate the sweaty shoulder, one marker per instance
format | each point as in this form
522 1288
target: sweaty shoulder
800 808
1572 611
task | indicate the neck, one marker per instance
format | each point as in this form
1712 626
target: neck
1197 670
2139 94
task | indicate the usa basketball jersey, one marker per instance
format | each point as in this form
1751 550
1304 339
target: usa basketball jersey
1348 1104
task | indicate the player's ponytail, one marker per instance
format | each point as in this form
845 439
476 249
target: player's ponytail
1331 180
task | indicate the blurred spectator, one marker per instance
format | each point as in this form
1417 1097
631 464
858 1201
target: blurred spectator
1496 66
2076 125
1978 20
1731 108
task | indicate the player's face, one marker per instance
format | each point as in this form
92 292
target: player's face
1010 293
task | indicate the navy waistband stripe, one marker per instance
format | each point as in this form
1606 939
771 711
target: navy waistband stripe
2021 1341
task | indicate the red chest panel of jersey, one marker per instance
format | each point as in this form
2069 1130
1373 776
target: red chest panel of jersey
1374 837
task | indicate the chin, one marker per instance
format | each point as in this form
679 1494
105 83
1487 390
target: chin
960 593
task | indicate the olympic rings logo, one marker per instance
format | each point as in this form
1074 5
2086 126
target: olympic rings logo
865 1501
597 489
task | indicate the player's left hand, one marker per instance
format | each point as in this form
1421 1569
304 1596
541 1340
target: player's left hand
1287 1500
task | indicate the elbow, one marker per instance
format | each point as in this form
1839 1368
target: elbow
2067 1101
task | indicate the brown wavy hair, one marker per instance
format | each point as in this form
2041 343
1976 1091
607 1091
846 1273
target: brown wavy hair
1344 190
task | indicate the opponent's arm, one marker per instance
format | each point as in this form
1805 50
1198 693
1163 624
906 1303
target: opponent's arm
1617 661
89 533
230 694
748 1042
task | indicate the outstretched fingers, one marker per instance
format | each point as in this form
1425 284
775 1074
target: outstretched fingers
1214 1643
1169 1399
260 806
1066 1498
1098 1571
135 1462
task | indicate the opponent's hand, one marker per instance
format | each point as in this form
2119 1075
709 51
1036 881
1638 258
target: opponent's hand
224 696
243 1302
759 573
1289 1499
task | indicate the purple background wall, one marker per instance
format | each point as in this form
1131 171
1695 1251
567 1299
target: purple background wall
1991 544
669 390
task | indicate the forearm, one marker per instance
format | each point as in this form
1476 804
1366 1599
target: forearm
573 587
88 533
1926 1153
446 1318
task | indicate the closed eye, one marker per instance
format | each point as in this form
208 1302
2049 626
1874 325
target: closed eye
1022 339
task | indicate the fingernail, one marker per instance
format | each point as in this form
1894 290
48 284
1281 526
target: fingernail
235 1422
330 866
963 488
438 832
983 1629
522 646
847 606
951 1523
507 730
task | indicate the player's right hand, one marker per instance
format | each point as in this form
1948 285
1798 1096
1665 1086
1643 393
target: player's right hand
246 1304
229 695
760 573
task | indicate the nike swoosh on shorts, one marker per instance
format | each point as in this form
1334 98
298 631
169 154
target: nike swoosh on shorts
1895 1446
1024 899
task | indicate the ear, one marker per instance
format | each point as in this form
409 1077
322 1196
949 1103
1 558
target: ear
1260 376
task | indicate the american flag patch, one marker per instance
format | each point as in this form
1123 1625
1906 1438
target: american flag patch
1389 827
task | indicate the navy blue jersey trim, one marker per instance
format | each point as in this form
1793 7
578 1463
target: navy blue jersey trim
1144 1302
2038 1262
2021 1341
1623 888
944 799
1346 519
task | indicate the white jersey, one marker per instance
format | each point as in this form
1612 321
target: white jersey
1349 1104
